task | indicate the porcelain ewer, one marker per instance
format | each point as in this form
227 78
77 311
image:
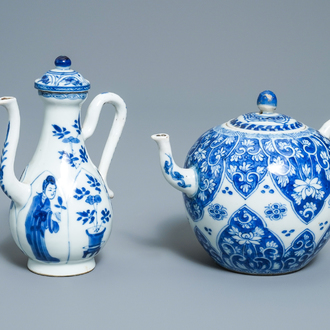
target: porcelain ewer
61 213
256 190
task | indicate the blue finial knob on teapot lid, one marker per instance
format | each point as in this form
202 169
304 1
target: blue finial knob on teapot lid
62 79
267 101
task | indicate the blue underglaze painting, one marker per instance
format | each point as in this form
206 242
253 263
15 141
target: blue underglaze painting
217 212
252 121
275 211
90 194
61 96
74 157
168 167
298 164
41 218
208 157
62 81
246 245
3 161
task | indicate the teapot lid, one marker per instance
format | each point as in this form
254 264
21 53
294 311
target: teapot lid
62 79
266 119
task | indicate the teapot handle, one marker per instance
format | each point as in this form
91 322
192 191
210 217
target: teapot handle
325 129
91 120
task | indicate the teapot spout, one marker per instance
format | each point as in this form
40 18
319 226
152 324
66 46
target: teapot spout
183 179
19 192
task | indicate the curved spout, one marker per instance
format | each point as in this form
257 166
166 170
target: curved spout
19 192
183 179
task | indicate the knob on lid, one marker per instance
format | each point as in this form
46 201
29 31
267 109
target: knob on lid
267 102
62 79
62 62
266 119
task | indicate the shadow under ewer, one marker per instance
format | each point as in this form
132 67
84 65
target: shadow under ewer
10 251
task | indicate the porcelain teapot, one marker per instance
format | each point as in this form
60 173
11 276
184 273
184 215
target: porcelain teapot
61 214
256 190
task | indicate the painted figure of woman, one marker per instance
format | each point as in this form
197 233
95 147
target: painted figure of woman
39 219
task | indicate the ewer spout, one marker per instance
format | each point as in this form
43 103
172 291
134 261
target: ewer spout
17 191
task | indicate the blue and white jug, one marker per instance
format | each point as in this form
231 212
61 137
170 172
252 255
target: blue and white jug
61 213
256 190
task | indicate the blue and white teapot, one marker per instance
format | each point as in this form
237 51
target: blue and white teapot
61 213
256 190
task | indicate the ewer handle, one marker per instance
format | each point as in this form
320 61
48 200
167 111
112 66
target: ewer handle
91 120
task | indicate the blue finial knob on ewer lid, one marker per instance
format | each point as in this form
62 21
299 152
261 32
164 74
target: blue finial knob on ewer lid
267 101
62 62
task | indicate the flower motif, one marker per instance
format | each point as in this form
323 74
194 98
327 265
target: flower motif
245 187
310 206
204 167
324 156
105 215
236 156
232 169
83 154
282 180
310 187
258 157
275 211
215 170
245 167
246 238
299 253
70 139
309 209
211 186
283 145
278 161
271 244
306 143
229 140
228 240
93 199
220 153
298 153
306 169
200 154
269 146
201 195
248 143
217 211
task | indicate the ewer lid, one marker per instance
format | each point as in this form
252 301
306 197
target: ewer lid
62 79
266 120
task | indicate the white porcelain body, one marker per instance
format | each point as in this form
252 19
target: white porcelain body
61 213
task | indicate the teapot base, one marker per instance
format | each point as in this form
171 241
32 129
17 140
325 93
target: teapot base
72 269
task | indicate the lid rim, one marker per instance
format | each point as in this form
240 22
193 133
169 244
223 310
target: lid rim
43 87
265 130
256 122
